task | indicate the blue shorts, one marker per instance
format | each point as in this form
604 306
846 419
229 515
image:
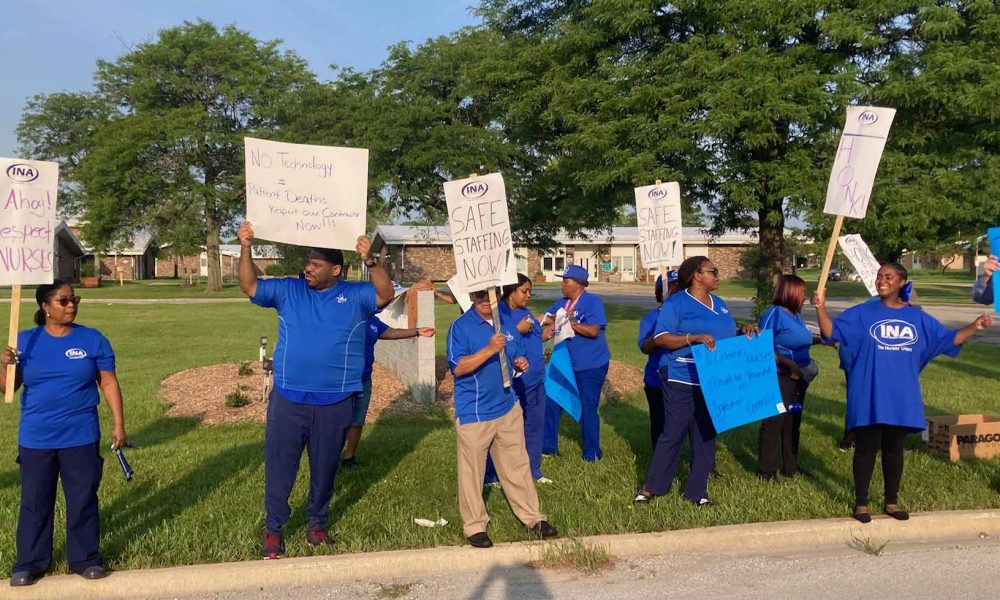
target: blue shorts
361 402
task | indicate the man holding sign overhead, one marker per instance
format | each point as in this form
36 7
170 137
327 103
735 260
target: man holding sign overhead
485 352
313 195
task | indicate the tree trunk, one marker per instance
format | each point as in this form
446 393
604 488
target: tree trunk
212 225
771 244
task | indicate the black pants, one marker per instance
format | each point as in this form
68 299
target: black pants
654 396
780 434
80 469
292 428
867 441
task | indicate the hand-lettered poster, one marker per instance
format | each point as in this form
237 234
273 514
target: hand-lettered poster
658 211
480 230
27 221
856 163
865 263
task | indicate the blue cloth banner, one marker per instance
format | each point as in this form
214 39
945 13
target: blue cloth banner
560 382
739 380
994 234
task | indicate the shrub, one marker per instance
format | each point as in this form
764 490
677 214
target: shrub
236 399
244 369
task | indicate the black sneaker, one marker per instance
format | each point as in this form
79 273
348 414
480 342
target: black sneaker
273 547
349 463
480 540
318 537
543 530
23 578
94 572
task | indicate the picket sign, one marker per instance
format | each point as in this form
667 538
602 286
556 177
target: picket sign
658 216
866 129
28 190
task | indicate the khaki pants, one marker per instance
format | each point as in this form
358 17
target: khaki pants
504 439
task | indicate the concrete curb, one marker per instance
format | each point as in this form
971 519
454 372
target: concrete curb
729 539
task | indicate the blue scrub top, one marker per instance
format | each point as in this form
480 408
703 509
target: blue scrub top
375 328
586 353
535 375
480 395
647 327
681 314
792 339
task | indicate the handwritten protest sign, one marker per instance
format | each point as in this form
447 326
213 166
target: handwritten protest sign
865 263
460 293
306 195
480 230
658 209
858 156
993 233
739 379
27 221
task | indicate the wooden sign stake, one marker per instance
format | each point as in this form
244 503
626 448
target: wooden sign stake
828 259
15 322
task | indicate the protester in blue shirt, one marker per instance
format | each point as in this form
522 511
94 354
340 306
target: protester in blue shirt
318 365
647 345
530 386
692 315
488 419
883 347
376 329
792 340
588 351
982 290
64 367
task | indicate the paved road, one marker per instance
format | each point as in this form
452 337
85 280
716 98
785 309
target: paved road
952 315
963 569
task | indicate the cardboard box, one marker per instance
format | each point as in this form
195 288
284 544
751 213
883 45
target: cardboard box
964 436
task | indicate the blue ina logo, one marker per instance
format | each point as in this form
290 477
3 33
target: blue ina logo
894 333
657 193
475 189
22 173
76 354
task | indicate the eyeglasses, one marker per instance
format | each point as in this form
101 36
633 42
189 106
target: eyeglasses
714 272
64 302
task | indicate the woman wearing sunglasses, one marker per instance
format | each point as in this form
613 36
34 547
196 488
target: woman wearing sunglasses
690 316
61 365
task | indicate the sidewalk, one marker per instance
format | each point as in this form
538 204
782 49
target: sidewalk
731 539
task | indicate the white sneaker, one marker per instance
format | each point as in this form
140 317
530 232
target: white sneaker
543 480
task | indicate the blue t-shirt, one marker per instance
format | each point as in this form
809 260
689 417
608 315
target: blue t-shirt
320 354
480 395
535 375
586 353
376 327
792 339
882 351
60 395
647 327
681 314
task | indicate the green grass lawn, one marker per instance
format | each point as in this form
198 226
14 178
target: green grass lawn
197 494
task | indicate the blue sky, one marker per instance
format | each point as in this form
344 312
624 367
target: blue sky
53 45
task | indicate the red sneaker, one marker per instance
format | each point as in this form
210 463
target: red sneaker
318 537
273 547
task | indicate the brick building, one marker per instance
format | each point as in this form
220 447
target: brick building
416 252
169 265
135 260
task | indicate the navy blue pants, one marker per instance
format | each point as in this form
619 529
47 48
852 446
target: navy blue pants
685 415
290 429
80 469
589 383
533 406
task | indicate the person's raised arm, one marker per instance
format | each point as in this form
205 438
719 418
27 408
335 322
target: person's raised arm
379 277
823 317
247 272
965 334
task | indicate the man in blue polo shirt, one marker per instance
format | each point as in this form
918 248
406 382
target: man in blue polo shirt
488 419
318 364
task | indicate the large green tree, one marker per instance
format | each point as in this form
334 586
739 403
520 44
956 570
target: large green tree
169 156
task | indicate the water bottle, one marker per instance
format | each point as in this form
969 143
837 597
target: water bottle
795 407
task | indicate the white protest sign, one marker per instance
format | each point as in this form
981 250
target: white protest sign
306 195
27 221
658 210
480 230
460 293
856 251
858 155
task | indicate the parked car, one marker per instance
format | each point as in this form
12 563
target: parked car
835 275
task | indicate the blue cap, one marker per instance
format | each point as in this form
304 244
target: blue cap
672 276
575 272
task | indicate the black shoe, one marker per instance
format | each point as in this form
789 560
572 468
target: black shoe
317 538
94 572
766 476
898 514
22 578
273 547
702 503
349 463
543 530
480 540
642 498
862 517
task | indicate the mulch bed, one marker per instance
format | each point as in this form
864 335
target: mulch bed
201 393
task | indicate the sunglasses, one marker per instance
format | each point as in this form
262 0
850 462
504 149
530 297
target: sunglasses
714 272
64 302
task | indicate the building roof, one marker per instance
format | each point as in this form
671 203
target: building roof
437 235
